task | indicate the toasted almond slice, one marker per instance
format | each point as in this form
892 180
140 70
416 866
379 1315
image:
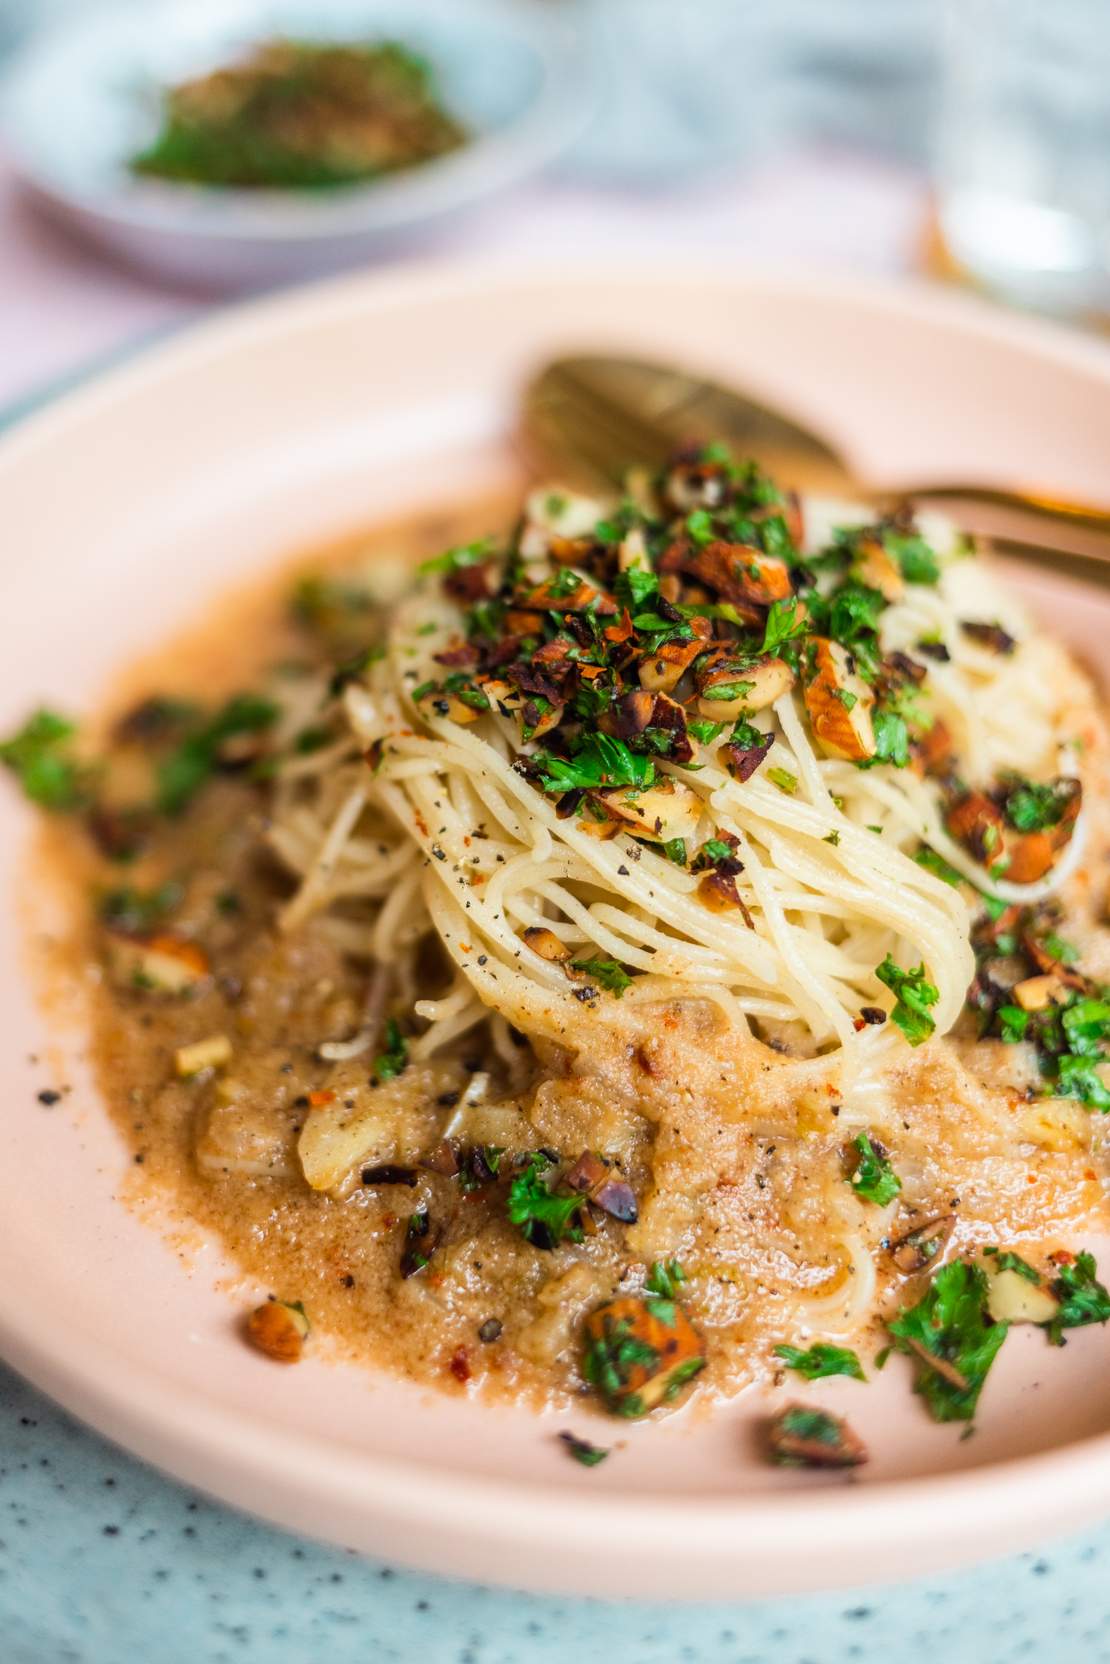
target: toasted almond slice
1013 1298
633 551
447 705
662 812
279 1329
761 683
976 821
878 570
1037 993
667 1354
546 943
552 512
661 671
839 704
554 595
212 1053
162 964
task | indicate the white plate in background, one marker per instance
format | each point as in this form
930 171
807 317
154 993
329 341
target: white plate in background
82 98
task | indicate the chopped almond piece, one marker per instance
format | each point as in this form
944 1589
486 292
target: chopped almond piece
1029 857
447 705
161 964
633 551
976 822
667 1352
920 1247
278 1329
546 943
802 1436
759 685
1037 993
1016 1298
556 595
934 751
661 670
839 704
661 812
212 1053
878 570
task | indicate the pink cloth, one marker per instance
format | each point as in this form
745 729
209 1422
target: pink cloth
63 305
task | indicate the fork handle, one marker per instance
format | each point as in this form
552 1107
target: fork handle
1085 528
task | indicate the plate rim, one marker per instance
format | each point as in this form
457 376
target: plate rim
495 161
524 1512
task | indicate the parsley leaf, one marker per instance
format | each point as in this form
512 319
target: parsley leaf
545 1218
583 1451
1033 808
874 1179
1082 1298
1078 1077
783 625
607 973
934 863
392 1060
821 1361
635 588
599 761
37 756
913 995
705 732
916 559
951 1324
665 1279
1086 1023
892 739
783 779
1013 1023
453 560
186 769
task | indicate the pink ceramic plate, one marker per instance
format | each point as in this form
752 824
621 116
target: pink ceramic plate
124 507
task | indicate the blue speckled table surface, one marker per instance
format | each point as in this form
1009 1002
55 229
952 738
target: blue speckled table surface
102 1561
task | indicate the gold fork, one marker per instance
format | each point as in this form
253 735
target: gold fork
592 416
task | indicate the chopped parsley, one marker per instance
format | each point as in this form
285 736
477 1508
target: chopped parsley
545 1217
607 973
590 1455
936 864
821 1360
783 625
1013 1023
1033 808
916 559
454 560
1082 1297
892 739
38 755
134 911
873 1177
636 588
598 761
952 1336
913 997
705 732
191 764
783 779
393 1058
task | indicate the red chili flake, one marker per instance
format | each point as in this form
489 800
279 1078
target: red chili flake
317 1100
460 1365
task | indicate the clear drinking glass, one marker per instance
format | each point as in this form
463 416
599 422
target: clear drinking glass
1023 150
